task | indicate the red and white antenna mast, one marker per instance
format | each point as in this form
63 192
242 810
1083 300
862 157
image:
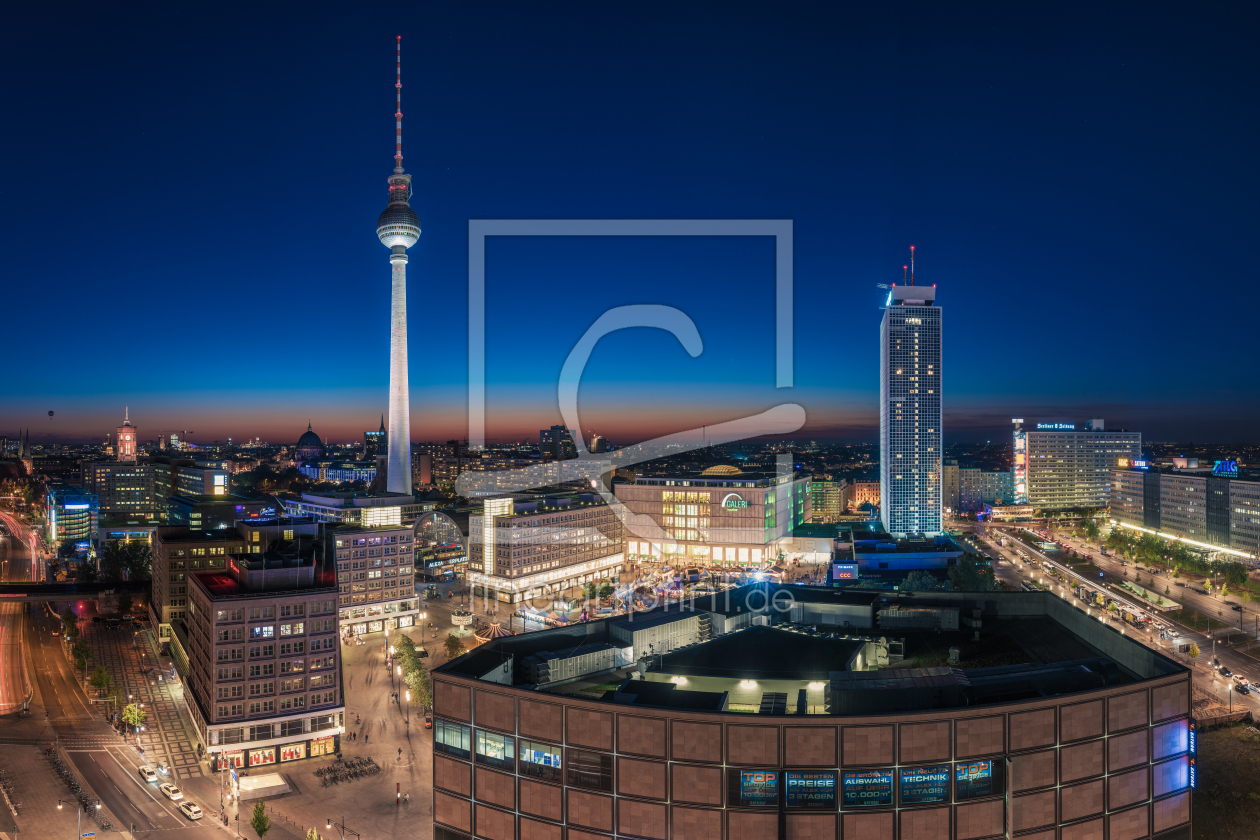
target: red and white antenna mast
911 249
398 167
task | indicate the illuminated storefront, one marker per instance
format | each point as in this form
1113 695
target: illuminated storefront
722 515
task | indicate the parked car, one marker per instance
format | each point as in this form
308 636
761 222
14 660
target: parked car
190 810
171 792
428 721
147 773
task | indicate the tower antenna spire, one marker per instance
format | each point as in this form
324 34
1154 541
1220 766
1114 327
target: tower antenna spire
911 264
904 269
398 167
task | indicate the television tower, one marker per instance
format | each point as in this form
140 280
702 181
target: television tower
398 228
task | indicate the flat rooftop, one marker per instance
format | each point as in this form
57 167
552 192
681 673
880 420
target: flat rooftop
763 653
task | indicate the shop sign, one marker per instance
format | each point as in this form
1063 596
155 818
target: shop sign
733 501
1226 469
924 784
974 779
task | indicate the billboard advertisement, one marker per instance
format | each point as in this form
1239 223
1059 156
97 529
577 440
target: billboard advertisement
1021 467
759 788
811 790
844 571
920 785
974 779
873 787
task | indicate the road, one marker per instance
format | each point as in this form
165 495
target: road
15 566
1207 675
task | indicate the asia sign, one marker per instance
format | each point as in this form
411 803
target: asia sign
759 788
874 787
811 790
924 784
1226 469
732 501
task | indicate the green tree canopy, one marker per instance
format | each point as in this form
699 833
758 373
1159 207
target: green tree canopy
133 715
454 647
415 675
100 678
923 581
260 822
1194 651
966 575
84 572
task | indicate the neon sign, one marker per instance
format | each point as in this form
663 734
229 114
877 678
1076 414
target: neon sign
1226 469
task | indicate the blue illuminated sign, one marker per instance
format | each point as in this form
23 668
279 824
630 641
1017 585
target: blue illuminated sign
874 787
1194 744
974 779
811 790
1226 469
924 784
759 788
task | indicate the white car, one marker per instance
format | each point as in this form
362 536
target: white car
190 810
171 792
147 773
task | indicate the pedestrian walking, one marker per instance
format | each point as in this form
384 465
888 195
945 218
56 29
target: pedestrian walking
365 738
406 797
400 752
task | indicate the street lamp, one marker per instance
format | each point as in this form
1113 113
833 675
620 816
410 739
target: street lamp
79 824
407 714
342 826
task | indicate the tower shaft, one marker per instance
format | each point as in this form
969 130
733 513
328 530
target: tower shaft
399 439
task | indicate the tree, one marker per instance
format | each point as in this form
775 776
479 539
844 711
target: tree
966 575
1167 591
454 647
85 572
100 678
1193 652
259 821
70 623
312 834
414 672
606 591
922 581
133 715
1111 607
81 653
1224 590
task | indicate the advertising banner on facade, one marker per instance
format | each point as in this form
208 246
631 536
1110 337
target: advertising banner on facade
811 790
924 784
974 779
874 787
759 788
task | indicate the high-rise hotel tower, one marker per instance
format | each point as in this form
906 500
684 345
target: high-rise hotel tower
910 411
398 228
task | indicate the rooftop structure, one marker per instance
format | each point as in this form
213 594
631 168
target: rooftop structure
783 724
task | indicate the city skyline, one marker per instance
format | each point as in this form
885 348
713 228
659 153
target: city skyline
1027 185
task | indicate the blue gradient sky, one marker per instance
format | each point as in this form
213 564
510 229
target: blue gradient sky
187 218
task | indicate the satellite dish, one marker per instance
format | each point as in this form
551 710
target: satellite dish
50 414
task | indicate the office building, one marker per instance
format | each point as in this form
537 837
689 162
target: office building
977 488
1070 730
910 411
125 439
1213 507
721 514
1067 466
864 493
173 475
358 507
598 444
376 581
264 681
70 513
828 500
375 444
519 549
214 512
556 444
949 485
339 471
126 489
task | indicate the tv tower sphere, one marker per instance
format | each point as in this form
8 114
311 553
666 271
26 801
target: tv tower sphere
398 224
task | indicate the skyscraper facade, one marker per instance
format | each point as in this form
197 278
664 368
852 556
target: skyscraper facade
374 443
398 228
910 411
